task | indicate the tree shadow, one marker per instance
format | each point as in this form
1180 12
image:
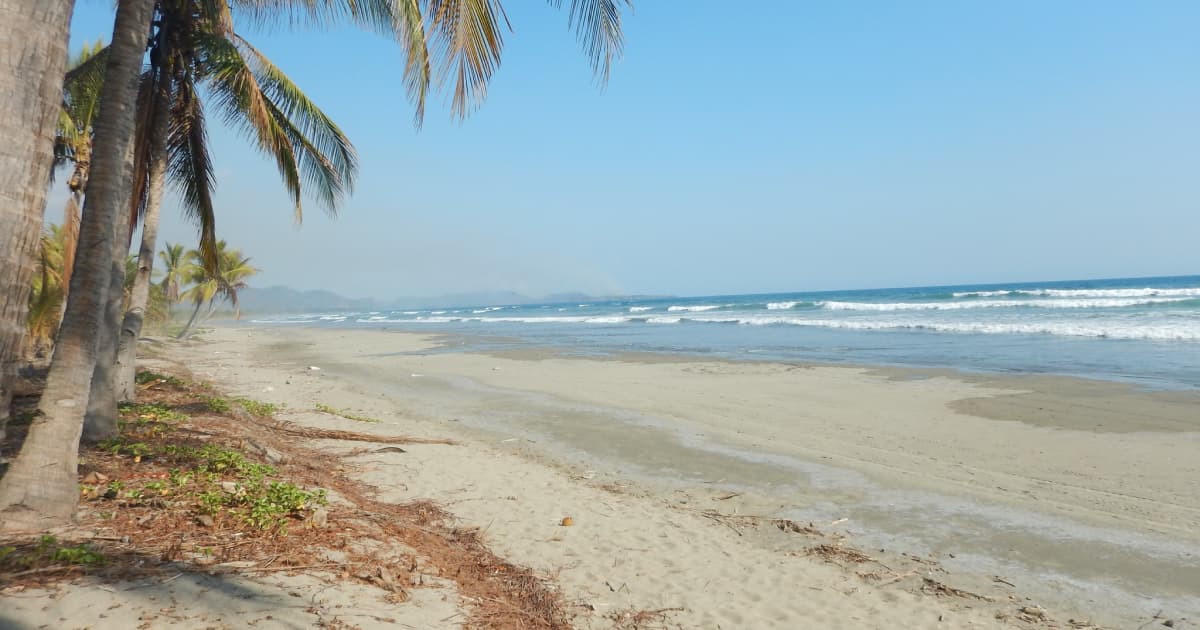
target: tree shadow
132 589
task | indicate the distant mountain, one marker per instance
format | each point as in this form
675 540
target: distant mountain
280 299
288 300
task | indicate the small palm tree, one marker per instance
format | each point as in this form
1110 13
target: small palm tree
174 260
47 291
208 287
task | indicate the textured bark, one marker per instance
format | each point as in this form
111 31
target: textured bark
6 397
70 226
33 57
40 489
100 421
131 325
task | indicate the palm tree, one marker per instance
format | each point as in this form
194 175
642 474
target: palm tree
33 54
207 287
191 48
174 260
47 291
40 487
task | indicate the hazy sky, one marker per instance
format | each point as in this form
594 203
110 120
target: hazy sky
787 146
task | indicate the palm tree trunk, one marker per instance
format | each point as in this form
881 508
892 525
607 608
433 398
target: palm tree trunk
131 326
100 420
40 488
70 243
183 334
33 56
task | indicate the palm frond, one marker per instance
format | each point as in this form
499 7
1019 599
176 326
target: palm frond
238 94
190 167
45 300
143 141
397 19
326 158
377 15
466 43
410 30
597 24
257 97
82 84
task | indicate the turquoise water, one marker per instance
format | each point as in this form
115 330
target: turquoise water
1143 330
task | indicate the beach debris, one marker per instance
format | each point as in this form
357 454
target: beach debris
320 517
786 525
388 581
313 368
268 453
636 619
833 553
839 521
723 519
95 478
729 496
1032 613
315 433
935 587
389 449
997 578
495 369
268 388
415 375
567 521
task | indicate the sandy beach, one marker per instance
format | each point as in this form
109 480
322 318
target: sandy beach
1081 497
941 500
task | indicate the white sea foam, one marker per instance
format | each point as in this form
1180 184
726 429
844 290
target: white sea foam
640 309
1090 293
1116 293
694 309
1177 331
963 294
955 306
664 320
614 319
566 319
781 306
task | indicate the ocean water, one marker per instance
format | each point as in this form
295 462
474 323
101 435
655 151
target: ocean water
1141 330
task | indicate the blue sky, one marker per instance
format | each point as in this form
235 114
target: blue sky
796 146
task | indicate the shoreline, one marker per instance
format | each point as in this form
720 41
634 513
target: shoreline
483 342
1050 529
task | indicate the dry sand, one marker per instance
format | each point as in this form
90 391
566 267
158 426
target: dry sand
1080 497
